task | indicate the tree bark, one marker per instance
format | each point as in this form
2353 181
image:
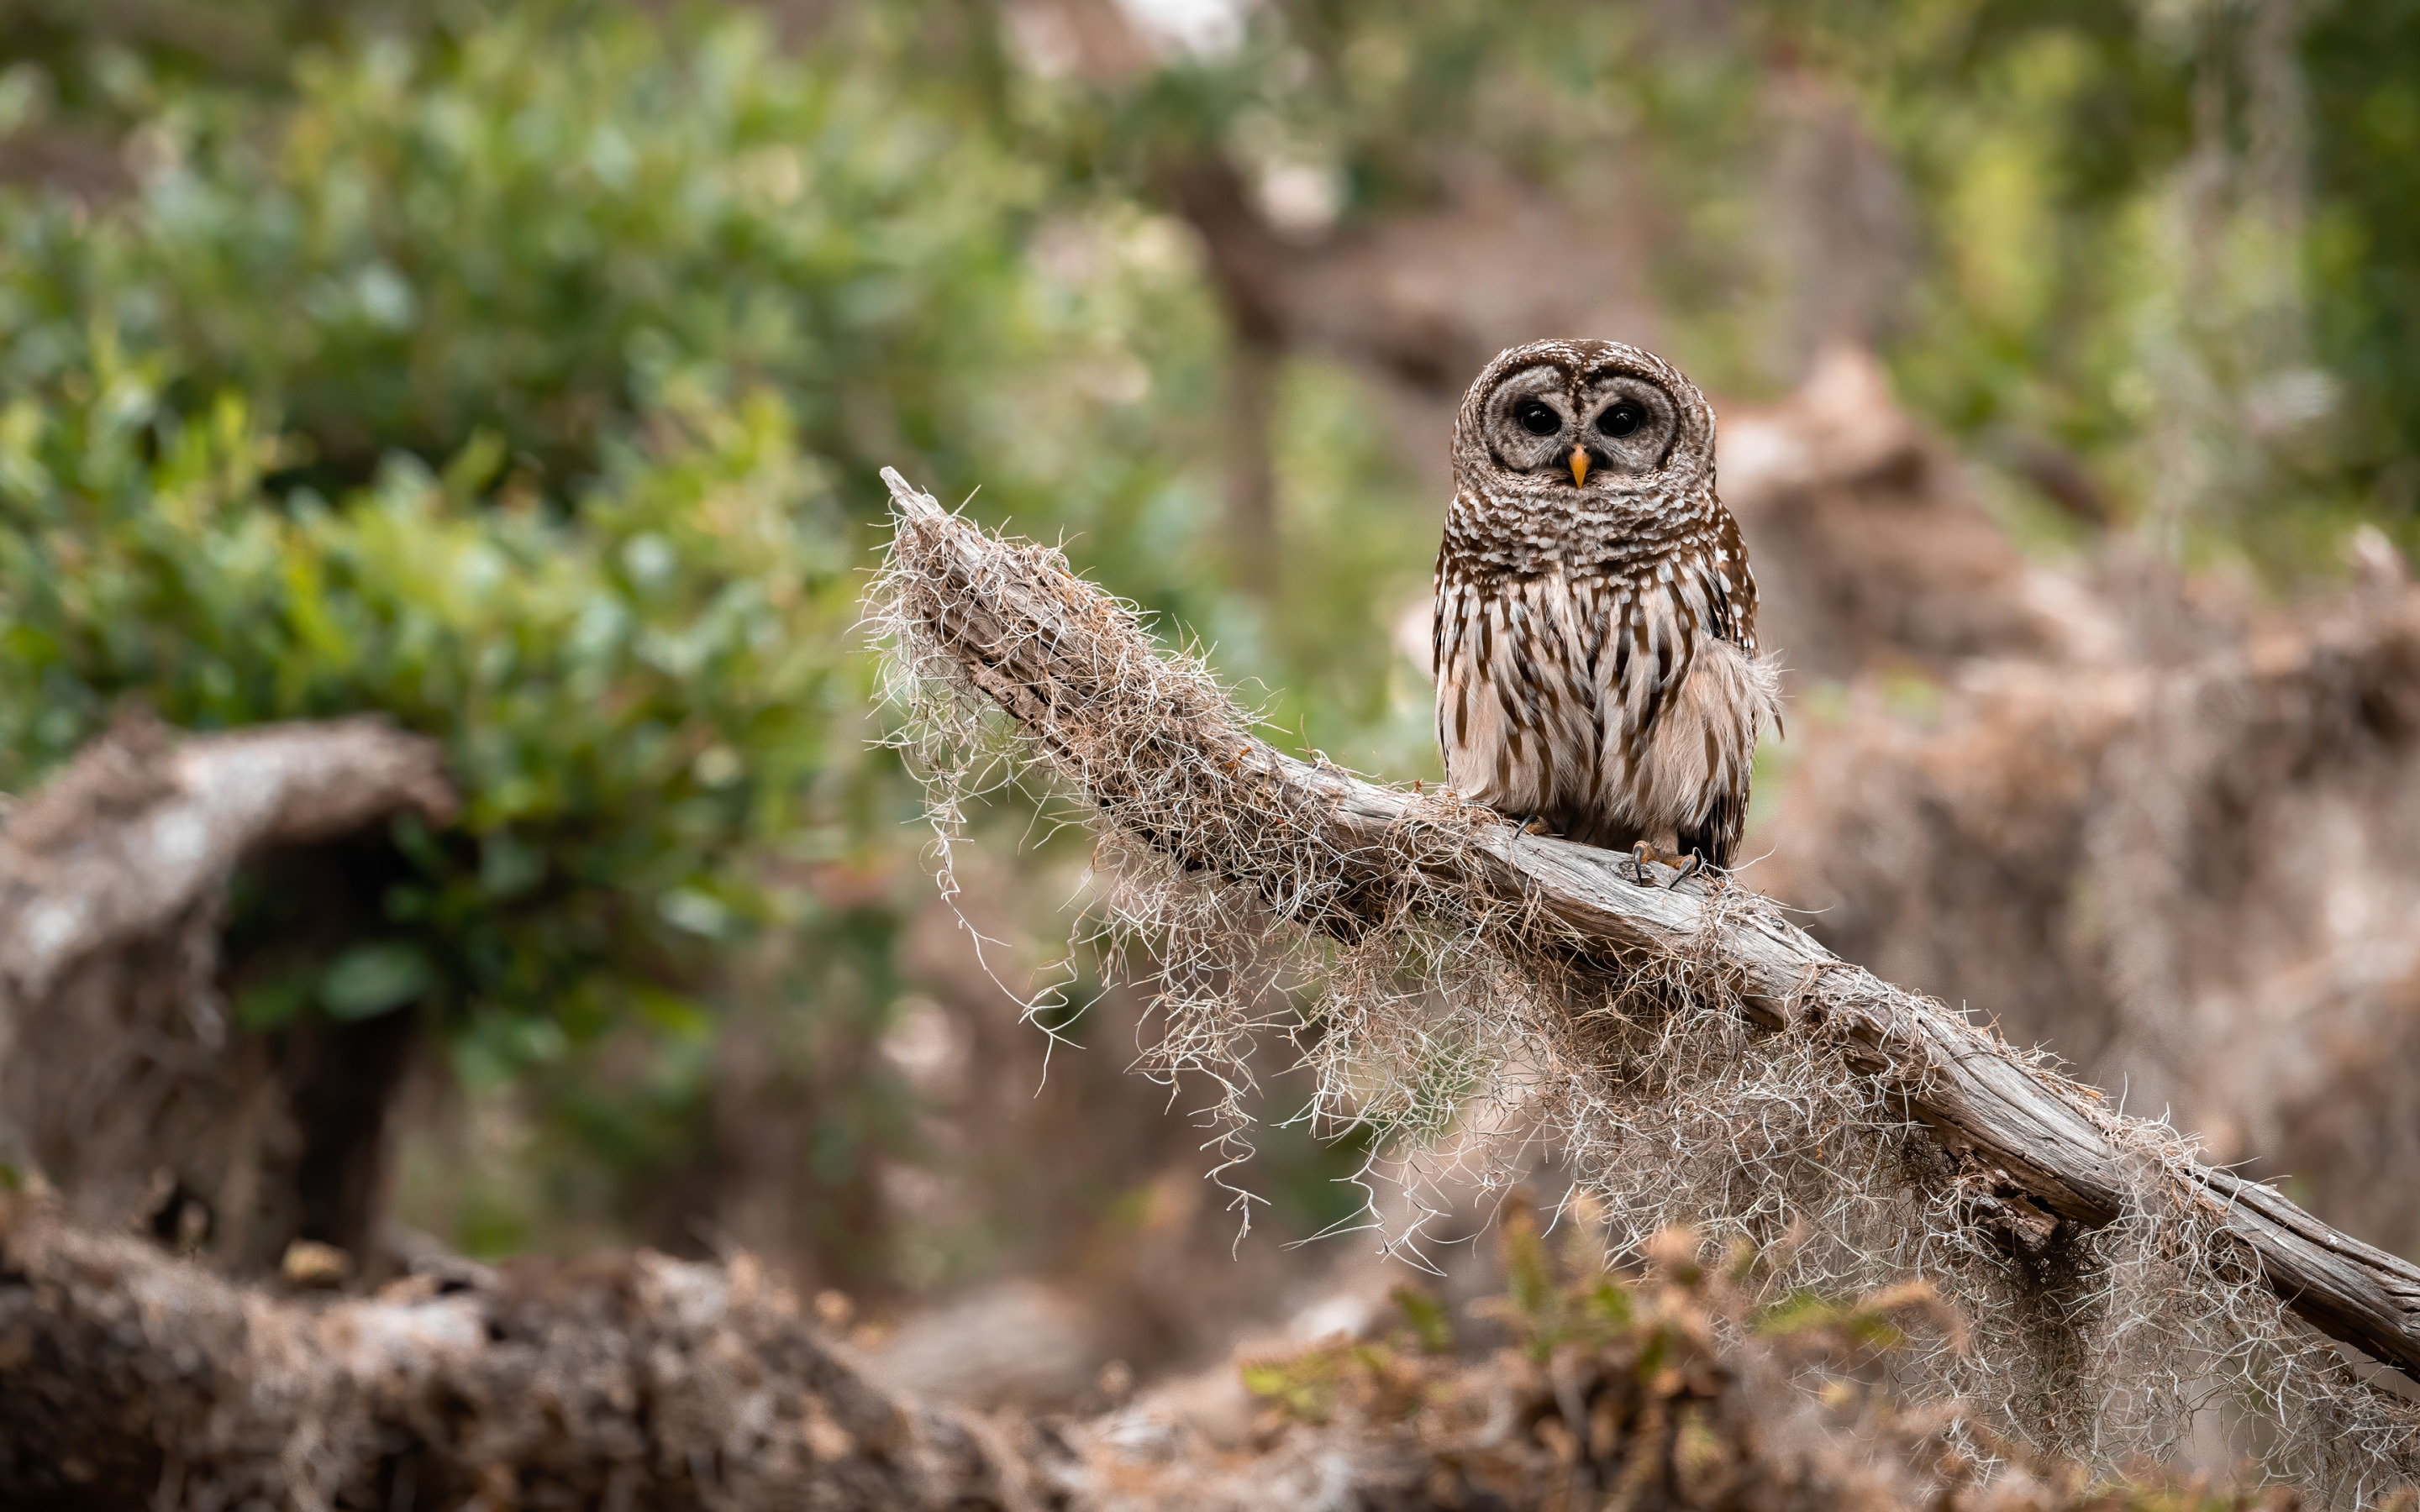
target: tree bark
1048 647
123 1080
129 1378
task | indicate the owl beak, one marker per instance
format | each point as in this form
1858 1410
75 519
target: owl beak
1579 465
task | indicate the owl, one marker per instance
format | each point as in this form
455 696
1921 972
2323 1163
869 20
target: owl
1597 673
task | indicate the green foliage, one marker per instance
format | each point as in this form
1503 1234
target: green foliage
1307 1387
2032 134
2364 100
1552 1302
1383 1378
1430 1320
533 225
639 696
2112 264
92 56
369 979
1384 97
1804 1312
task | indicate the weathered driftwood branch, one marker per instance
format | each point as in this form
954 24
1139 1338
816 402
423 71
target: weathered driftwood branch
1047 648
138 827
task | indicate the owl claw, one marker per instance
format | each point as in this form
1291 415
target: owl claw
1638 856
1695 864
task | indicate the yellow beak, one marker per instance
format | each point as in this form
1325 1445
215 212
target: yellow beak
1579 465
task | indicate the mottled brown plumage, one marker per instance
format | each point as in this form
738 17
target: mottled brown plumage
1595 623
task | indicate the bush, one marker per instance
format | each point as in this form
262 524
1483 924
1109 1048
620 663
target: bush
530 225
642 697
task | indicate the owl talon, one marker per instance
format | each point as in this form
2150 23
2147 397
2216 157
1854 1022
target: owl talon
1696 863
1638 856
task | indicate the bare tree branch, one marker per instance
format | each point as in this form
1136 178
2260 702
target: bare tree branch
1047 648
70 886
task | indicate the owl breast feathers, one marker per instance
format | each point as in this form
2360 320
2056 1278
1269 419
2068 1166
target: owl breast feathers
1595 622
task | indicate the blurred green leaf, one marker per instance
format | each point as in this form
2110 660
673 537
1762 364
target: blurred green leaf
272 1003
370 979
1430 1318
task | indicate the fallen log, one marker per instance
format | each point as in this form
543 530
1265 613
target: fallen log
131 1377
1332 850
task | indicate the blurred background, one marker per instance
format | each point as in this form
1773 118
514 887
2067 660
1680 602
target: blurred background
519 371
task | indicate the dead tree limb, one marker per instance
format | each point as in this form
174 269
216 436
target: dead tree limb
1049 649
69 885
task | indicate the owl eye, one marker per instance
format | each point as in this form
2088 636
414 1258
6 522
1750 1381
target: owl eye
1537 419
1621 419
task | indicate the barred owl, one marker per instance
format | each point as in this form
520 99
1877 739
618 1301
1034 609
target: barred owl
1595 621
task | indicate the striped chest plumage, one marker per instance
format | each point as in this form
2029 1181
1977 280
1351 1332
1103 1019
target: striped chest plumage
1595 648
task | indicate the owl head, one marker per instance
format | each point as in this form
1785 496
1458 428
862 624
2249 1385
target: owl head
1583 424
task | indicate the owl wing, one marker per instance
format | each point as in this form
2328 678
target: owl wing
1733 586
1746 686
